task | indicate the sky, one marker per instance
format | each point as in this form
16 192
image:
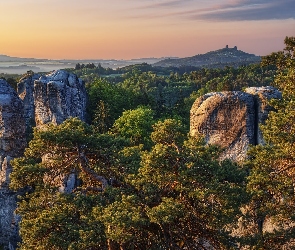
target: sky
126 29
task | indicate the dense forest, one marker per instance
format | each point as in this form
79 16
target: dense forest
144 183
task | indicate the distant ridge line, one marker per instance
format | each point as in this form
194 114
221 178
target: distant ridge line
213 59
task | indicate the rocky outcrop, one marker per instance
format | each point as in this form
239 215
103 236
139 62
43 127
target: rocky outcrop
42 99
58 96
52 98
9 220
12 144
25 90
12 129
231 119
226 119
262 96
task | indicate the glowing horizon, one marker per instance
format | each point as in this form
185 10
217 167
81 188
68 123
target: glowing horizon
128 29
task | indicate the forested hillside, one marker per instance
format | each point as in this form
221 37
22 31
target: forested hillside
168 92
214 59
141 182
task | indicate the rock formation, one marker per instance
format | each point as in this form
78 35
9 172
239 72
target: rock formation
52 98
262 95
56 97
42 99
226 119
12 129
25 90
12 144
231 119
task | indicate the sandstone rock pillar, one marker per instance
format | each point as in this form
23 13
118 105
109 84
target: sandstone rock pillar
12 144
58 96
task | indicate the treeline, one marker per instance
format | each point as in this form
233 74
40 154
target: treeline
167 95
141 182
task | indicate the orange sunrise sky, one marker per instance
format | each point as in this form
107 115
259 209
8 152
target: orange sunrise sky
125 29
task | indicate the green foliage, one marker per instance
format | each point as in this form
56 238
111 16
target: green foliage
187 198
58 221
170 132
175 194
11 79
271 182
135 125
54 220
107 102
168 92
140 181
124 219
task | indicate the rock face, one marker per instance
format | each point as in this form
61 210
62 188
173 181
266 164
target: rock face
231 119
261 97
25 90
52 98
58 96
226 119
12 129
42 99
12 144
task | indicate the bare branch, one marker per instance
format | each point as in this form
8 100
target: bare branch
91 173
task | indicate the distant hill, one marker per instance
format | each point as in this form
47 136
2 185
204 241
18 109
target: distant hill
18 65
5 58
213 59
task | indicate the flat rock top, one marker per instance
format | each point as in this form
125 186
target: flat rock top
267 92
211 100
60 77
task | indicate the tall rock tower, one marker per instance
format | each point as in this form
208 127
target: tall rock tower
12 144
53 98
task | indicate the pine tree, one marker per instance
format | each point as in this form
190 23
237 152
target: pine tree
272 166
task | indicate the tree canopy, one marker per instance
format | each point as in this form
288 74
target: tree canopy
132 177
175 195
271 182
